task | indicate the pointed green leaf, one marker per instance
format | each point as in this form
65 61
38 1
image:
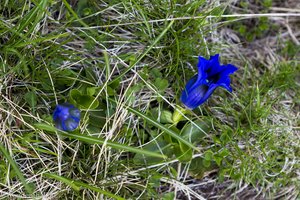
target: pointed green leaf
161 84
161 127
183 152
194 132
96 140
154 146
163 116
64 180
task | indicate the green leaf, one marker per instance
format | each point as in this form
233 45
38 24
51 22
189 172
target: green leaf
130 93
169 196
83 100
115 84
223 153
45 127
208 155
166 117
154 180
135 88
110 91
216 140
157 147
31 99
92 90
97 140
64 180
97 118
161 84
199 166
177 116
196 168
194 132
73 13
161 127
206 163
163 116
218 159
156 73
183 152
224 138
81 5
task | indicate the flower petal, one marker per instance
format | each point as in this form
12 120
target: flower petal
71 124
66 117
208 93
63 126
228 69
193 90
224 79
210 76
202 67
191 82
194 98
214 65
60 112
225 83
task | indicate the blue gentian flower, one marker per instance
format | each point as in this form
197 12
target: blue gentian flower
66 117
210 76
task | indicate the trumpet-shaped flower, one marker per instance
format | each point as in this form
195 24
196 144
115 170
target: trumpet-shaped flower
66 117
210 76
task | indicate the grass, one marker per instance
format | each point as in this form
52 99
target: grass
124 63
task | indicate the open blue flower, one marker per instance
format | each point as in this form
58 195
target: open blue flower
210 76
66 117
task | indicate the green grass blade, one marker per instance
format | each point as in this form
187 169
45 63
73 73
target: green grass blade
41 39
31 19
64 180
96 140
69 8
77 184
29 189
161 127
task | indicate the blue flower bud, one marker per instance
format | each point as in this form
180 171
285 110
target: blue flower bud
210 76
66 117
